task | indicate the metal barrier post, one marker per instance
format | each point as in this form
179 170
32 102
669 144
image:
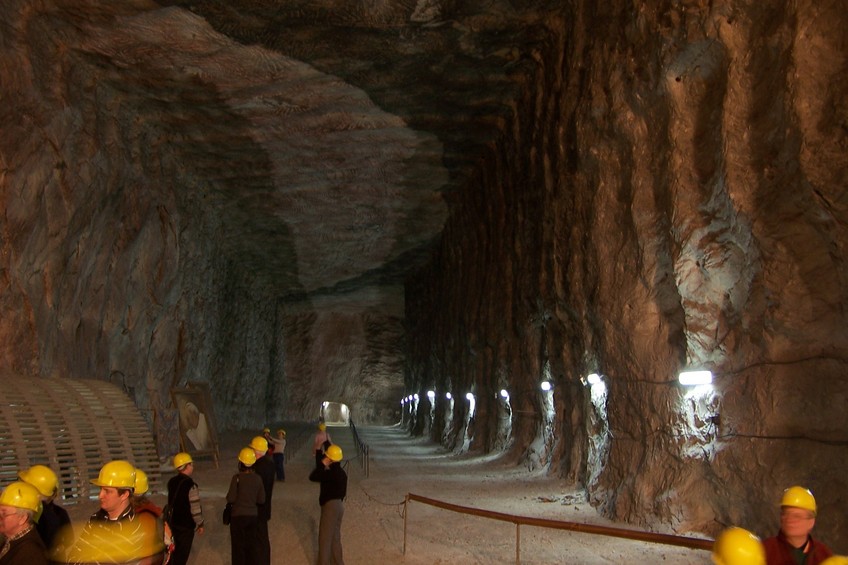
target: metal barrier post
517 543
405 514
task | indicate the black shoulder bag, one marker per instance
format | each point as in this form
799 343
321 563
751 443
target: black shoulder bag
228 509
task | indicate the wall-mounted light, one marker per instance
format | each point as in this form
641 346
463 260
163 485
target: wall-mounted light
471 404
546 386
504 394
694 378
431 395
448 395
597 387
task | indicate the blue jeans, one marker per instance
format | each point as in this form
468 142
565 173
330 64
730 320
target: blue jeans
280 465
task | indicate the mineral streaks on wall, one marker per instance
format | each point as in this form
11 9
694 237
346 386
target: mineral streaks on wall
660 200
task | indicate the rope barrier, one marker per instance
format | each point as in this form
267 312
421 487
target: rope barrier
372 499
652 537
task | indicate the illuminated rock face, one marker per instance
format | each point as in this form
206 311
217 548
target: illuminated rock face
681 203
241 194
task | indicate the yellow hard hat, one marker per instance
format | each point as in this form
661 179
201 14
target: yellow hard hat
322 427
181 459
42 478
334 452
21 495
282 431
266 430
835 560
737 546
116 474
799 497
141 483
247 456
259 443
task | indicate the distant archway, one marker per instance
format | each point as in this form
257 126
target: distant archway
335 413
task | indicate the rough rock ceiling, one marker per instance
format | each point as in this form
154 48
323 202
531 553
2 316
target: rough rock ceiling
328 135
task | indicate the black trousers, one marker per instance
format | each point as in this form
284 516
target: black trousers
263 543
183 538
243 540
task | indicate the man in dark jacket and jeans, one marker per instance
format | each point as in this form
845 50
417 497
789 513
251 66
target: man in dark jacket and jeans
333 481
184 507
264 467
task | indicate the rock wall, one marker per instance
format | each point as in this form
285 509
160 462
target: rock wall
231 194
166 194
112 265
669 194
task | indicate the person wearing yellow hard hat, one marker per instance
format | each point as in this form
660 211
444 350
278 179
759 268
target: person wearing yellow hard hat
737 546
53 517
114 534
280 455
184 508
117 482
266 433
20 502
333 481
264 468
245 495
321 443
793 543
143 505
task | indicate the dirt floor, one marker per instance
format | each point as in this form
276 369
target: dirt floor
377 524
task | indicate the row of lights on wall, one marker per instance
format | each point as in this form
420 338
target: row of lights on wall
686 378
546 386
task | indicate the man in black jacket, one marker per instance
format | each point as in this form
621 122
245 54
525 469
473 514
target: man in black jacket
264 467
53 517
333 481
186 514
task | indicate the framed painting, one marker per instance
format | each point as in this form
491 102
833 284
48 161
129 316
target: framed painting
197 422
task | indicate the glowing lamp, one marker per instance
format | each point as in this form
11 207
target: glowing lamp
694 378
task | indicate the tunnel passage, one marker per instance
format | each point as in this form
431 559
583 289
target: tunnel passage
73 426
335 413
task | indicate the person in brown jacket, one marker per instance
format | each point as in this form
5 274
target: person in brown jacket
246 495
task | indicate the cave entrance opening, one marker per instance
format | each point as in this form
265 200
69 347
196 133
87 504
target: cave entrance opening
335 413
